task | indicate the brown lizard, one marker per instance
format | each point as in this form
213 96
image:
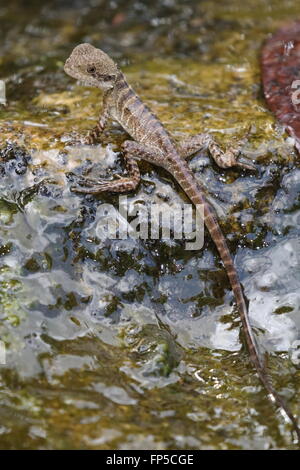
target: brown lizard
154 144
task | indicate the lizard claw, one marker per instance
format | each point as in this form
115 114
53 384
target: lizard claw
232 157
74 139
243 162
91 189
246 164
85 181
86 186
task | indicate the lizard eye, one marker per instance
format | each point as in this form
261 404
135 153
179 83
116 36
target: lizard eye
91 69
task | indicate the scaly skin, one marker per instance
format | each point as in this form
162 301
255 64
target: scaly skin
154 144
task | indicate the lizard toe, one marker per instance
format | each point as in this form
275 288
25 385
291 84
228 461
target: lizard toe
246 164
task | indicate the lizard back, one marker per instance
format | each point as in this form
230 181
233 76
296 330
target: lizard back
137 119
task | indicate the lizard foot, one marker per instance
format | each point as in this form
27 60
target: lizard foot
91 189
88 186
240 161
74 139
246 164
91 138
232 157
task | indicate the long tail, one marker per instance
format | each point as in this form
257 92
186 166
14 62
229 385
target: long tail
194 191
218 238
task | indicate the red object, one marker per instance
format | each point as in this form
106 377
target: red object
281 77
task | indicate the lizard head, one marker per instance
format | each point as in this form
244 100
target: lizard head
91 66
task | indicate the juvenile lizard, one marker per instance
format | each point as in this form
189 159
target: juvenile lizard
153 143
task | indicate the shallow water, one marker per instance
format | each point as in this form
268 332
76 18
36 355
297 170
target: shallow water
131 343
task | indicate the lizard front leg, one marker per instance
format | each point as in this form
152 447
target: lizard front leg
121 185
226 159
94 134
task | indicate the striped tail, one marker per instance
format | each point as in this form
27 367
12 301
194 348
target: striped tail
193 190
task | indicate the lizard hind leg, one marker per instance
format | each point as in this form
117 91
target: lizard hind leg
132 151
120 185
224 159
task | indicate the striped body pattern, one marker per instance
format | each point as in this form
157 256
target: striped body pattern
137 119
153 143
